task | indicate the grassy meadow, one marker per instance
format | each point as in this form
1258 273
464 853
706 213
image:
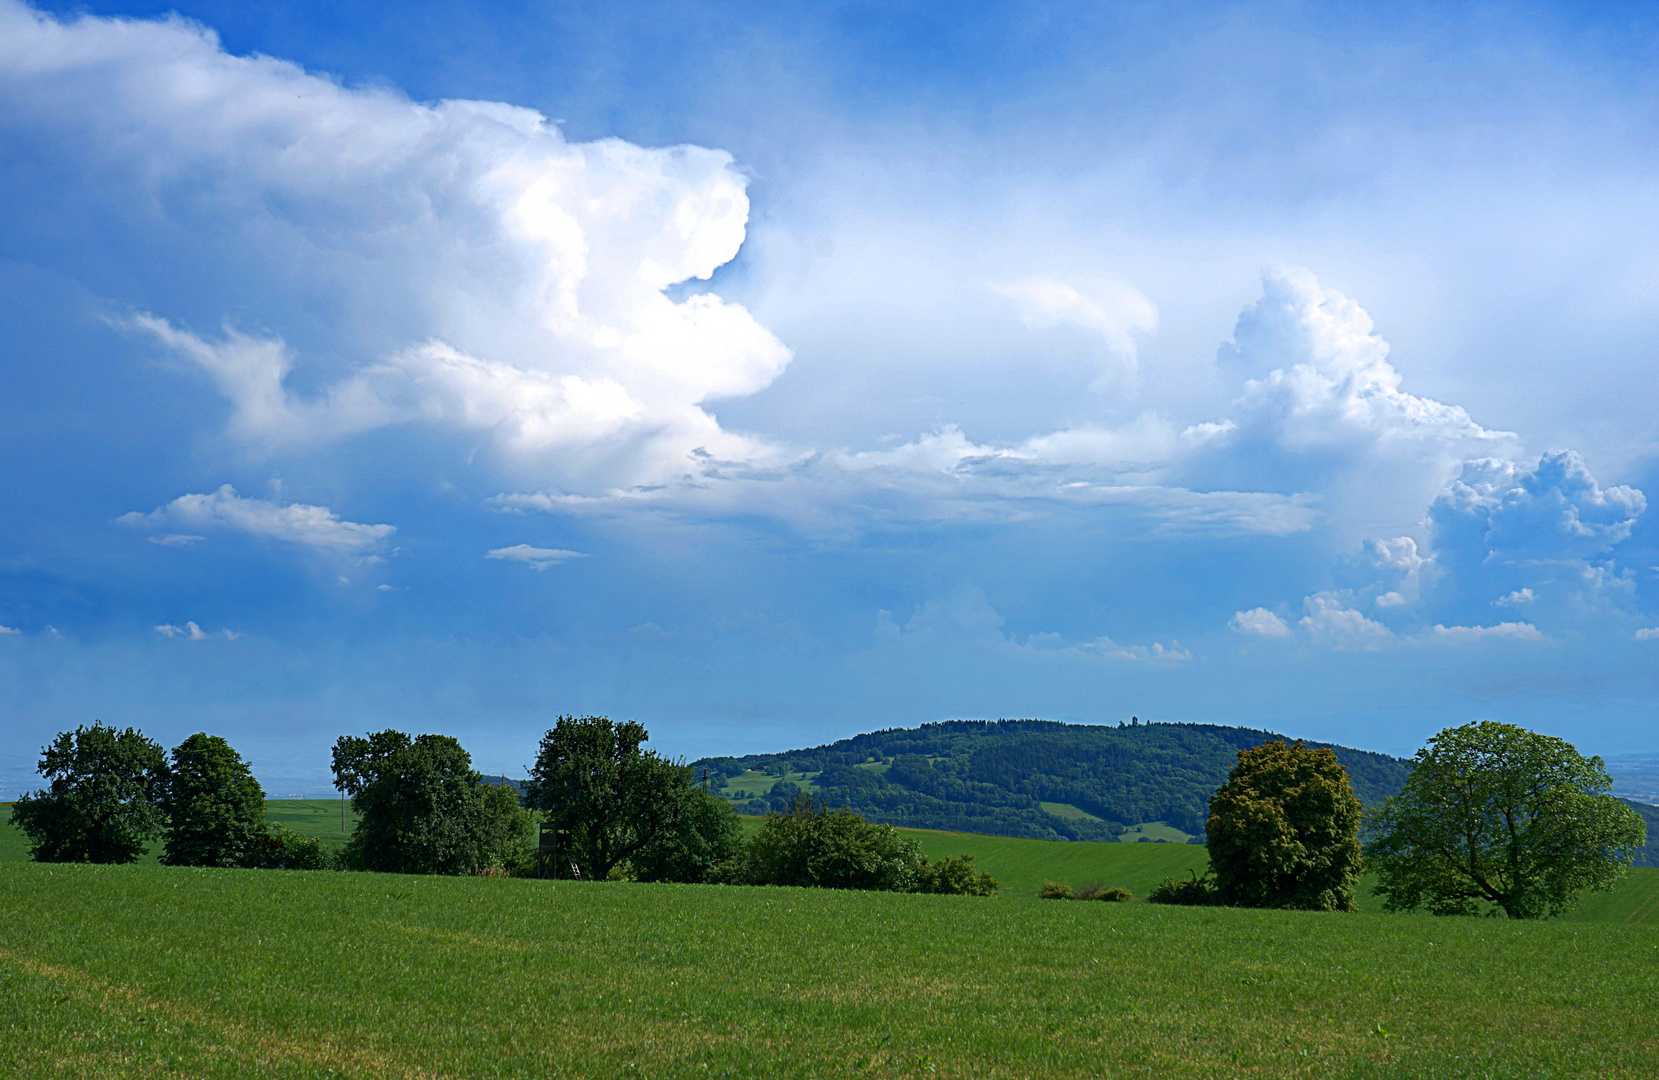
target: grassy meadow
144 971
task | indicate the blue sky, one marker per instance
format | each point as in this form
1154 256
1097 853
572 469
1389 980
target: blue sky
769 373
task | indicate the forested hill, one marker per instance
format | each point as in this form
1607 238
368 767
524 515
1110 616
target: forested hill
1025 777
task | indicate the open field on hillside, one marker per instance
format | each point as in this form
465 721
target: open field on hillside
1020 865
152 971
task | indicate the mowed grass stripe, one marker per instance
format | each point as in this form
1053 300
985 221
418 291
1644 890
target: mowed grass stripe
158 971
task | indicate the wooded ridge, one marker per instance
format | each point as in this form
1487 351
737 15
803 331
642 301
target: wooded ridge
1037 778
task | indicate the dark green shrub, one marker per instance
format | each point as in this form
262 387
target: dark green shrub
284 849
1056 890
1094 890
1194 892
954 877
811 845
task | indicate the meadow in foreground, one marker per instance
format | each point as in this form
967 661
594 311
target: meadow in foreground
156 971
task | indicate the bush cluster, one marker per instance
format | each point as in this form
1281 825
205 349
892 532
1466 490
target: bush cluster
1094 890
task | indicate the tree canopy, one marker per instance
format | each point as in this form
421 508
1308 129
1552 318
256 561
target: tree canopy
617 803
100 806
1498 818
1284 831
423 808
812 845
215 808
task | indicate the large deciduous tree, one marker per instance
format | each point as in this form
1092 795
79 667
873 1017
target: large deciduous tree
215 808
423 808
1284 831
617 803
1494 817
101 803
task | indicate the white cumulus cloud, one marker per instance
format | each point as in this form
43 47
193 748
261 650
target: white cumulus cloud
297 523
499 276
1646 633
540 558
1261 623
9 630
1331 622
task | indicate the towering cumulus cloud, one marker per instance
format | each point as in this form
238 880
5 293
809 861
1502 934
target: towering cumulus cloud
495 277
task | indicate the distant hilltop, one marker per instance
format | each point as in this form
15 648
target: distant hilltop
1038 778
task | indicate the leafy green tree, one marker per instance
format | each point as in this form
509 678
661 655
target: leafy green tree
215 808
1496 817
1284 831
699 842
101 805
614 800
811 845
423 808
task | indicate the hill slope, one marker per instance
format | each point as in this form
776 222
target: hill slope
1035 778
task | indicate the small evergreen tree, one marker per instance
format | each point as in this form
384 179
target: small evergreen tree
215 808
101 805
1284 831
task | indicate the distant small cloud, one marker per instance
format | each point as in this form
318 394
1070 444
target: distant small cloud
1514 631
650 631
175 539
1518 598
9 630
1260 622
1646 633
192 632
384 588
540 558
1390 599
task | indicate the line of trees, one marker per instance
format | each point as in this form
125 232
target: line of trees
112 792
1492 819
623 811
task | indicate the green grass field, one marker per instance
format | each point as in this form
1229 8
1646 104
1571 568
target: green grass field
147 971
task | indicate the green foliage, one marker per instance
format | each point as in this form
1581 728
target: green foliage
1284 831
1194 891
1648 854
700 841
101 804
1498 818
423 808
1094 890
954 877
979 777
282 848
616 802
215 808
811 845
